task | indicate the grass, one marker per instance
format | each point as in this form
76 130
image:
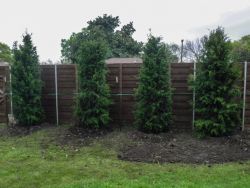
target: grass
36 160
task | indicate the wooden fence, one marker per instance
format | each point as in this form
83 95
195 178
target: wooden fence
4 100
60 89
123 80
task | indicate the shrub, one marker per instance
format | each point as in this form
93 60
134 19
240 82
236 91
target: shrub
92 109
26 83
216 108
154 103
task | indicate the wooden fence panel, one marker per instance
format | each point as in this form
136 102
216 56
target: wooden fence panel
182 95
48 92
66 85
4 102
123 80
113 79
247 105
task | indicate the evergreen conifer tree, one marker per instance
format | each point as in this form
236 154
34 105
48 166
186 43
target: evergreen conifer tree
26 83
154 102
217 111
92 109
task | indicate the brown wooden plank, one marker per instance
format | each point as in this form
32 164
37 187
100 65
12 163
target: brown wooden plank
132 65
109 66
182 65
130 71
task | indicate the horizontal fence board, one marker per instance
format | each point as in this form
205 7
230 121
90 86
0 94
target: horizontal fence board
132 65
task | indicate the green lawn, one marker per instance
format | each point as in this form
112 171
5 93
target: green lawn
37 161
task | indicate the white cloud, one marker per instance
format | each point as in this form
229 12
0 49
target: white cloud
236 24
52 20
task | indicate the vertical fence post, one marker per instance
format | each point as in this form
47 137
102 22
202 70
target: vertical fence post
56 94
244 96
193 118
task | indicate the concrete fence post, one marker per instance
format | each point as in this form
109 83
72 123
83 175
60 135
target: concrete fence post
244 96
56 95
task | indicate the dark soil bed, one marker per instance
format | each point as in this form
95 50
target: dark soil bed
16 130
185 148
76 137
131 145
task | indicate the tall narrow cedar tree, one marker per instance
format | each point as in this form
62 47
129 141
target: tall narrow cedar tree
26 83
217 110
93 101
154 103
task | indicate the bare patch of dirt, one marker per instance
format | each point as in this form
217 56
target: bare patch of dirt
177 147
132 145
76 137
17 130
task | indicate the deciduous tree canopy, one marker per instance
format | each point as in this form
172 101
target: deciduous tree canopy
120 43
241 49
5 53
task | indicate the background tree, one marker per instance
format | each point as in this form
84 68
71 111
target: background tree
26 83
154 103
215 86
106 24
176 51
123 44
5 53
71 46
193 49
92 109
120 43
241 49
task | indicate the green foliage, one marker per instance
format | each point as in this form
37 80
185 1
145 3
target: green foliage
120 43
154 102
26 83
241 49
217 111
71 46
92 109
123 44
5 53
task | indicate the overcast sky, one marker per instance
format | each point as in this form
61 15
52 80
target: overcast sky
52 20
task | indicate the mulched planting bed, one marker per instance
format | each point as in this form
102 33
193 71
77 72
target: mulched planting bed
174 147
132 145
17 130
77 137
